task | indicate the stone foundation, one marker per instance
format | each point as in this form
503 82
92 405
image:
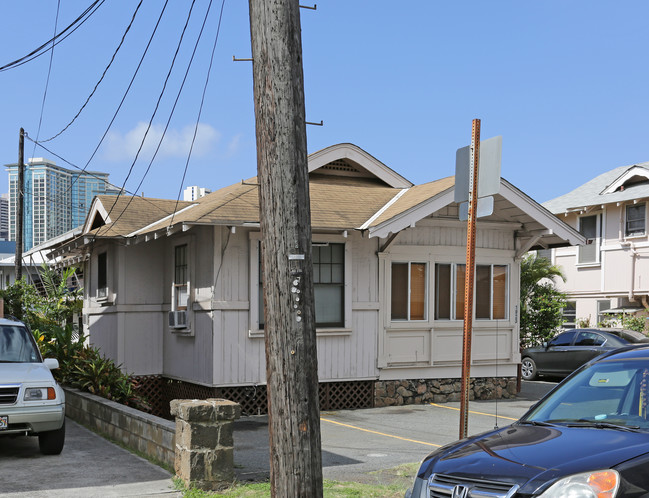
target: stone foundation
420 391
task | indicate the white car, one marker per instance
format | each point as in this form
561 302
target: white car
31 402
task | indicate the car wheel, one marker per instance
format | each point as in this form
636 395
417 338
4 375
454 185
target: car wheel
51 442
528 369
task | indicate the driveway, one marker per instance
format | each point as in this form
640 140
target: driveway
89 466
355 444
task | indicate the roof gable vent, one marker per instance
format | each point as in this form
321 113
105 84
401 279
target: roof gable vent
342 167
636 175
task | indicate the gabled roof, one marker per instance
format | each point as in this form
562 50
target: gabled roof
352 191
625 183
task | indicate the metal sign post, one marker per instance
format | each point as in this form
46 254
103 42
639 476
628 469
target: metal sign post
469 276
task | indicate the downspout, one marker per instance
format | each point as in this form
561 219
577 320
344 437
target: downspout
634 255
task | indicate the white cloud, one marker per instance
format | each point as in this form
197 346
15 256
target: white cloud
176 143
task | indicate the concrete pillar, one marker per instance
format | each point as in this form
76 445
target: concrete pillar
204 442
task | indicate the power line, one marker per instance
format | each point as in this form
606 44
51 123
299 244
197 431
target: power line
85 15
101 78
49 72
200 109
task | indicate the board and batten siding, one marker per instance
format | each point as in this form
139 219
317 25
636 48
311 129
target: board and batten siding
239 350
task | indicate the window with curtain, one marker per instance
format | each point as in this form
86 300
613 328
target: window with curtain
490 291
408 296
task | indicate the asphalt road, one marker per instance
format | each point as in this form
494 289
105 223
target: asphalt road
355 444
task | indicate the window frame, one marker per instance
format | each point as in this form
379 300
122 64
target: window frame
256 328
426 280
177 287
637 233
569 317
596 241
456 291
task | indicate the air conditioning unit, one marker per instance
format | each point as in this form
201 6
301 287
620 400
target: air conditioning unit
178 319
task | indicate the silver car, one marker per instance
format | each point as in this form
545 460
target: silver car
31 402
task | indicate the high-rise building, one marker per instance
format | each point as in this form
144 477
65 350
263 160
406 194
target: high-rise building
193 193
4 217
56 199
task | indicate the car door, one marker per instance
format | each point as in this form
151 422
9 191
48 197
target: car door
588 344
552 360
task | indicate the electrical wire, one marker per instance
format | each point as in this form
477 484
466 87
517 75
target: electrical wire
155 111
200 109
49 72
78 22
101 78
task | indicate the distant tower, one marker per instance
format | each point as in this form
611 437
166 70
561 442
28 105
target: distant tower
193 193
4 217
56 199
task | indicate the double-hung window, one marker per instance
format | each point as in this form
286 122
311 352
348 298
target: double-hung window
589 227
328 285
181 278
635 220
408 301
491 291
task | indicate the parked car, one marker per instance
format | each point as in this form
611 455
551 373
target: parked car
588 437
571 349
31 402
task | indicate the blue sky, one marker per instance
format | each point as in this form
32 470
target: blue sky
564 83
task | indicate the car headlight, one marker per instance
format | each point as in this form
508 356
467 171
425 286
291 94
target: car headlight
599 484
39 393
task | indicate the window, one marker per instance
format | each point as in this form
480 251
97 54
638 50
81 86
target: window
635 220
589 228
102 273
564 339
603 318
491 291
328 285
181 278
589 339
408 291
569 315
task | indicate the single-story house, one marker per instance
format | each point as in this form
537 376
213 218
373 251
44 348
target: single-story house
172 289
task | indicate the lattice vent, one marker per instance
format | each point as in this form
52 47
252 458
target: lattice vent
339 165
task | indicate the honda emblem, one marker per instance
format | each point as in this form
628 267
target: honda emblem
460 492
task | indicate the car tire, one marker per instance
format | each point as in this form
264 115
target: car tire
51 442
528 369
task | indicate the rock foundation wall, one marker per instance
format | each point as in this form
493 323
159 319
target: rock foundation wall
420 391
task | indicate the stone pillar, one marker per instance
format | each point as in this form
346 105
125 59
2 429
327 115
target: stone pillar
204 442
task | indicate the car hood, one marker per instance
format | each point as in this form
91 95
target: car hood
17 373
532 456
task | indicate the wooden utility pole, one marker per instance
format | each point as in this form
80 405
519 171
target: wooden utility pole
469 277
20 206
287 272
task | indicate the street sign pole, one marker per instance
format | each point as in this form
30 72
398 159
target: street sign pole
469 276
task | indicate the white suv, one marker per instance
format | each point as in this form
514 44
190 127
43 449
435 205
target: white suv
31 402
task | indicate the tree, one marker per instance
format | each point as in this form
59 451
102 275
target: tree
541 303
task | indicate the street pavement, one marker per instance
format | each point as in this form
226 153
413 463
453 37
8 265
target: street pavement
355 444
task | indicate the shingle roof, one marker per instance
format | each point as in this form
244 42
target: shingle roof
590 193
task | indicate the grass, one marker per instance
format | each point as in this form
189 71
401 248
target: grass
389 483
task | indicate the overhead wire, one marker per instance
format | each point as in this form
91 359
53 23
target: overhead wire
200 109
78 22
49 72
157 106
128 28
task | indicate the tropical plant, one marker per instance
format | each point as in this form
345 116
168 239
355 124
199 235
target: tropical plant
541 303
633 322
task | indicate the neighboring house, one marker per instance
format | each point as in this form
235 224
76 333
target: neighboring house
173 289
610 274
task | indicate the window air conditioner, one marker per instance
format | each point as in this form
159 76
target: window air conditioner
102 294
178 319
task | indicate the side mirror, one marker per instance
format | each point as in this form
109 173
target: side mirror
51 363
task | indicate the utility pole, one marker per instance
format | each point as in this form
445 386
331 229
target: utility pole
287 270
20 206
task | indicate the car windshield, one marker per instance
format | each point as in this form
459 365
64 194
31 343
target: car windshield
607 394
16 345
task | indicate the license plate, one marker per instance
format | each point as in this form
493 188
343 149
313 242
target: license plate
4 422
